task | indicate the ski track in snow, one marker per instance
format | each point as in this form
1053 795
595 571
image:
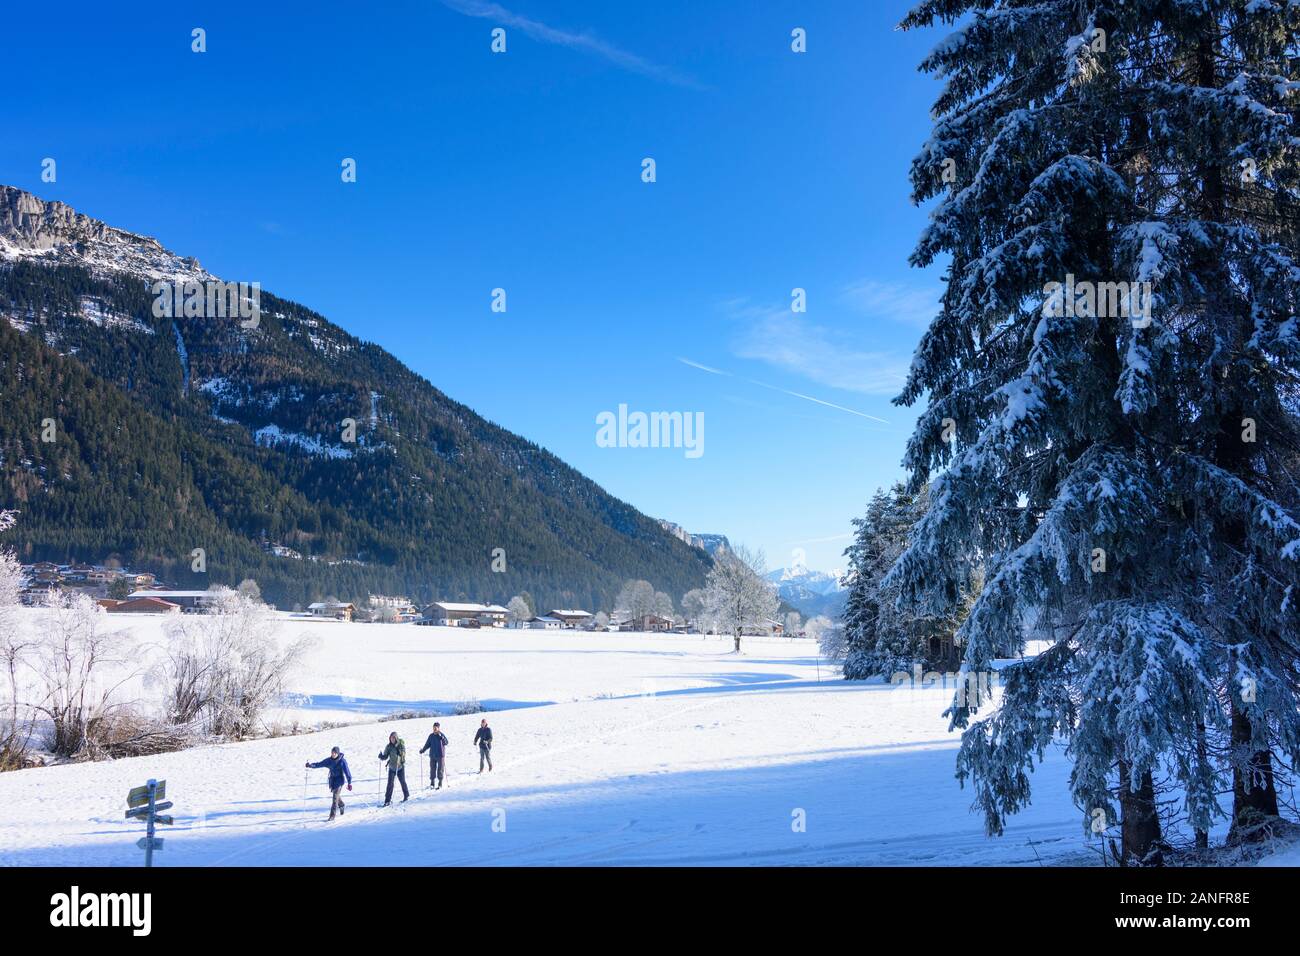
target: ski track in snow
711 768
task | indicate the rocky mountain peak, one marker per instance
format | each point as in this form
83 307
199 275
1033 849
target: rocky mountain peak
31 227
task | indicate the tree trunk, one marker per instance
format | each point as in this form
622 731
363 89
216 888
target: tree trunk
736 635
1202 836
1139 825
1254 797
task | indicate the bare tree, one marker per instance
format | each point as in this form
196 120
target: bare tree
736 595
73 660
518 611
636 599
17 650
793 623
601 620
223 669
663 606
693 607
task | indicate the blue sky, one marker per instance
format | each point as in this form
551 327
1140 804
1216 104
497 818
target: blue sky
522 170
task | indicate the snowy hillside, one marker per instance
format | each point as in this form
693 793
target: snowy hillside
248 424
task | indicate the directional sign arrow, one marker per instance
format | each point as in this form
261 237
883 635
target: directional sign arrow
144 811
143 843
139 796
165 821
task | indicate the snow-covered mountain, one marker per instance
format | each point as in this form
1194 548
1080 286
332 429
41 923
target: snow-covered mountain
810 592
196 428
54 233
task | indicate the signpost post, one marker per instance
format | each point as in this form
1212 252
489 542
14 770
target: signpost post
143 804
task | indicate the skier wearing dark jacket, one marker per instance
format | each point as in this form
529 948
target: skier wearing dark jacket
338 768
395 754
484 740
437 747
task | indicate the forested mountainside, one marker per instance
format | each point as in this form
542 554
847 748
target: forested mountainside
188 432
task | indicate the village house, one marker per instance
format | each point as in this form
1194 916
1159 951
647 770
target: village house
405 613
452 614
545 623
571 619
38 593
144 605
337 610
395 610
651 623
190 602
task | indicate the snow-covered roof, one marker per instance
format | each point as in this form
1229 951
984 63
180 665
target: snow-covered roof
469 608
564 613
171 594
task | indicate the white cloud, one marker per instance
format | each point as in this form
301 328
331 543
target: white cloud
586 41
893 301
789 341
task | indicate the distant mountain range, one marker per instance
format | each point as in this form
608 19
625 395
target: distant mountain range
132 434
809 592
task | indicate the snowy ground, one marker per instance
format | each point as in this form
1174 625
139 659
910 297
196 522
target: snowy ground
615 749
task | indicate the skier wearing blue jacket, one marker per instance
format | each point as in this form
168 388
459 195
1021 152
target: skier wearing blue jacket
437 747
338 768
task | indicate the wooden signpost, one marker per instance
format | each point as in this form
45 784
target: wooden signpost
142 803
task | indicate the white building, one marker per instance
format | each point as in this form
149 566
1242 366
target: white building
451 614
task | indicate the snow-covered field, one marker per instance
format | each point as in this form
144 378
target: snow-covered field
610 749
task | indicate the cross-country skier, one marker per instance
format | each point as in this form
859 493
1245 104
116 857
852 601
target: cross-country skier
484 740
437 747
338 768
395 754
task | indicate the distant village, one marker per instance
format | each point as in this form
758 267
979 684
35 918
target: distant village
119 590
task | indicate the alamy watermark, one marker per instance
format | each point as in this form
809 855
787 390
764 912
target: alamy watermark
626 429
208 300
973 688
75 908
1103 300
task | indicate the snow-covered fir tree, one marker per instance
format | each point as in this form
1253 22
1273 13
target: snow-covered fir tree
882 635
1110 387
